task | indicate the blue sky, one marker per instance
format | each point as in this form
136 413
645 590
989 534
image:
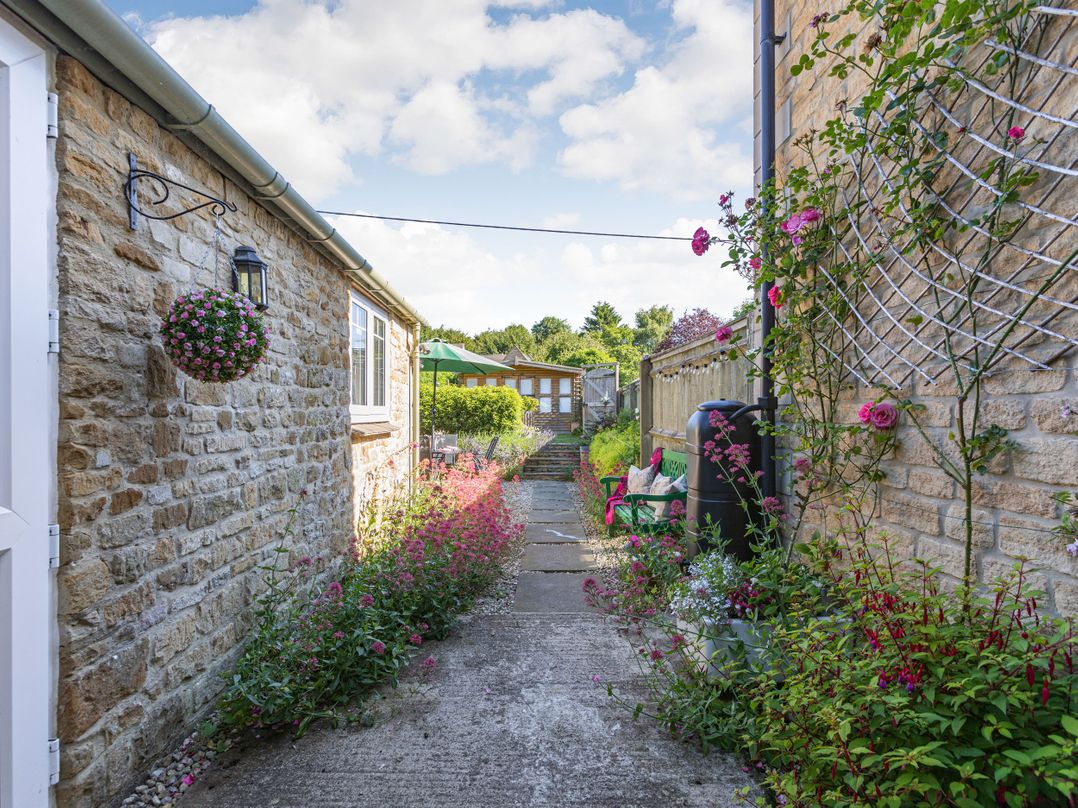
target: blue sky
622 116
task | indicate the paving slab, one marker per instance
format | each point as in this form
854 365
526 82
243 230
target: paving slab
557 558
510 718
551 517
556 532
550 593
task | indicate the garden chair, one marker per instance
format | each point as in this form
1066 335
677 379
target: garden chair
482 462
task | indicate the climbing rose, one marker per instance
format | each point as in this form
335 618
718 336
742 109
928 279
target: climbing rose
865 413
791 225
809 215
723 334
884 415
701 240
1016 133
774 294
756 263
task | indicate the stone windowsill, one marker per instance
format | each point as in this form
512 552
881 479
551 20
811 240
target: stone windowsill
375 429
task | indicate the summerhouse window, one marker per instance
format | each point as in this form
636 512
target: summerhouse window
471 382
491 381
369 328
511 383
526 387
545 400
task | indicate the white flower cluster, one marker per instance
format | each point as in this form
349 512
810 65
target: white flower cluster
704 595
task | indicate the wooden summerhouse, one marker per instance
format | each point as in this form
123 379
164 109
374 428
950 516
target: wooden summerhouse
558 388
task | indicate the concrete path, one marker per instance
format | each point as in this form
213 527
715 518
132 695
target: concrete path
510 717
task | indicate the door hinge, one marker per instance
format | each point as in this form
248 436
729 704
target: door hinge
52 127
54 546
54 761
54 331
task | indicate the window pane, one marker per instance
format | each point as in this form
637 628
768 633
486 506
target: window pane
490 381
565 386
359 355
511 383
544 386
525 387
378 359
471 382
565 404
544 404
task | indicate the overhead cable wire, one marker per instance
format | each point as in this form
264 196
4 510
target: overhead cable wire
505 227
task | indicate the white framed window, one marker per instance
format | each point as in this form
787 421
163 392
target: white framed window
544 404
526 387
471 382
491 381
369 328
544 387
565 404
511 383
565 386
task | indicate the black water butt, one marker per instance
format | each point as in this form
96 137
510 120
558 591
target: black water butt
714 504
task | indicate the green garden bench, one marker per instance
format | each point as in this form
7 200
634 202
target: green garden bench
635 513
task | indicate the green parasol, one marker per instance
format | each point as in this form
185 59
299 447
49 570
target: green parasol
438 355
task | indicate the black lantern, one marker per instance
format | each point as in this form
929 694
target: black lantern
249 276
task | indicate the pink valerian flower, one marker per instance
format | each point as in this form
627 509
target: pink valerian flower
595 678
1072 548
338 635
429 664
334 590
1016 133
677 510
772 505
188 779
415 639
701 240
723 335
366 601
802 465
378 647
774 295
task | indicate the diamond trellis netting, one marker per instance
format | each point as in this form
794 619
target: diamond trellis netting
963 273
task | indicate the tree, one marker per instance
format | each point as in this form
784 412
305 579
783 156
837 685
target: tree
503 340
548 327
603 316
587 355
561 346
689 326
453 335
651 326
628 359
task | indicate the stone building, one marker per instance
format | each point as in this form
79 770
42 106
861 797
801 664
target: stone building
161 494
1015 512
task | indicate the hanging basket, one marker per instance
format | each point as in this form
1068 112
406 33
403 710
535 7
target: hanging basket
214 335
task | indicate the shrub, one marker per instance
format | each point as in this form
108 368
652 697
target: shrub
616 446
471 410
319 648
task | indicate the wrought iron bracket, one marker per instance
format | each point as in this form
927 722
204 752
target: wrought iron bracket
161 189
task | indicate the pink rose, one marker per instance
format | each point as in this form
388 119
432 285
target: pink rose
865 413
701 240
809 215
884 415
792 225
756 263
1016 133
723 334
774 294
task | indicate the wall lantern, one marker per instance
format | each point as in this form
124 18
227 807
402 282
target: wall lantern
249 276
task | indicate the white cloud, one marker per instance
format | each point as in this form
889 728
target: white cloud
678 129
562 221
312 84
453 280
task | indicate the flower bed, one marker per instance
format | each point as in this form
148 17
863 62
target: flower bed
320 647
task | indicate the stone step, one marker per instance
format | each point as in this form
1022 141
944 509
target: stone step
571 557
550 593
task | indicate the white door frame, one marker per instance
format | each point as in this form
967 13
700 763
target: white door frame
25 455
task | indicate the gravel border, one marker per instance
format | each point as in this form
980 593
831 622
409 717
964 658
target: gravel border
499 600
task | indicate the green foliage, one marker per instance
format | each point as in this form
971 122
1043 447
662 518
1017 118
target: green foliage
561 346
513 446
549 326
451 335
471 410
651 326
628 358
590 355
617 446
603 316
503 340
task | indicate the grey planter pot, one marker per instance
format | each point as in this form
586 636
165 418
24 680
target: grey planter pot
711 647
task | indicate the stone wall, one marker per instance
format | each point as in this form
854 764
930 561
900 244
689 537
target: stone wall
917 508
171 492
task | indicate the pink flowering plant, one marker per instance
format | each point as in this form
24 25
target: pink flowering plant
214 335
329 630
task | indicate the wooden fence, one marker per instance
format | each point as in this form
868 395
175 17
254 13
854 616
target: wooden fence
674 382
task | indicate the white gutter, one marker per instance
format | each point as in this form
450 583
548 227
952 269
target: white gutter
112 38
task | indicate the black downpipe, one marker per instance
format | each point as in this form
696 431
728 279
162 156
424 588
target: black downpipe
767 402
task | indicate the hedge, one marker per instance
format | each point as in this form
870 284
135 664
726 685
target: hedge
472 410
